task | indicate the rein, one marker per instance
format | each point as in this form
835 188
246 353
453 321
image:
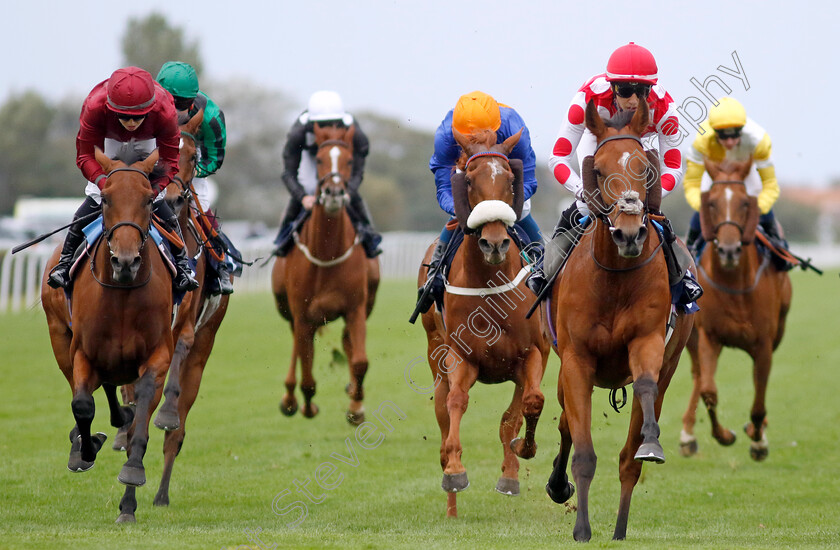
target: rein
324 263
737 291
623 269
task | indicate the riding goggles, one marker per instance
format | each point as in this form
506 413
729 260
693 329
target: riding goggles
728 133
628 89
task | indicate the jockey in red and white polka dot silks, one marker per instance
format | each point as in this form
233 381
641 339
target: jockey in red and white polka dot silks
630 64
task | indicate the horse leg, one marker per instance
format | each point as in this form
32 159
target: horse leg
289 404
509 427
577 393
167 416
762 361
461 379
121 439
353 338
559 488
373 284
688 441
83 447
305 349
630 465
709 352
121 416
190 380
533 401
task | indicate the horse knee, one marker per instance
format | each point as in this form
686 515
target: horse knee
457 400
583 464
709 399
646 387
533 404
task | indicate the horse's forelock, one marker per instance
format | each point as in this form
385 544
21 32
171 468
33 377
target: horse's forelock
130 152
620 119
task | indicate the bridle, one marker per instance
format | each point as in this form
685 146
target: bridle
728 221
144 236
628 203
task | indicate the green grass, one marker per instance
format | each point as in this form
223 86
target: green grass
240 452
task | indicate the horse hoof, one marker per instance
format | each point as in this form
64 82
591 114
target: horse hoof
727 441
120 440
132 476
126 518
508 486
167 420
560 497
759 454
76 463
355 418
688 448
521 449
455 483
650 452
311 411
289 410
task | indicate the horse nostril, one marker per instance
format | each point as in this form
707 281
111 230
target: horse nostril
135 263
115 262
618 235
503 248
484 245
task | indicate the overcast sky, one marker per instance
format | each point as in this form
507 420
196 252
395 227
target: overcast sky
412 60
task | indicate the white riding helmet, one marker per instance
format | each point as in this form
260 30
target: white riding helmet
327 105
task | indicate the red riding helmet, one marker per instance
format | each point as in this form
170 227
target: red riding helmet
131 91
632 63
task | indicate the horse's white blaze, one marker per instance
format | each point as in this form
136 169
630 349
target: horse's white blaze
728 194
335 153
622 161
496 169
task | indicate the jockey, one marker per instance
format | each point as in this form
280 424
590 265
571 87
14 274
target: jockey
473 112
728 134
631 77
180 80
300 174
127 107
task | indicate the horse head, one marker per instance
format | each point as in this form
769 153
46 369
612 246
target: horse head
178 195
126 209
728 215
620 180
334 163
487 191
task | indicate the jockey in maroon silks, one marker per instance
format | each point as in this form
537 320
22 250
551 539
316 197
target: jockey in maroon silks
129 111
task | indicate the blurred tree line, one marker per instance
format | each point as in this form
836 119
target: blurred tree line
37 151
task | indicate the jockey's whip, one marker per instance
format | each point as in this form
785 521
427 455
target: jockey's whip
40 238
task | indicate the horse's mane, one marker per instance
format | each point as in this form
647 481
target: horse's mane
131 152
620 119
480 137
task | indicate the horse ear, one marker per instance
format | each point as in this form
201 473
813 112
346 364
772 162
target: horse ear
348 135
591 192
752 221
594 122
742 169
713 168
103 159
511 142
518 186
706 226
654 184
641 119
149 164
193 124
318 131
461 200
460 139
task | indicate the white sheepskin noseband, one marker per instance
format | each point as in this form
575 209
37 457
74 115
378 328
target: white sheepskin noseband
490 211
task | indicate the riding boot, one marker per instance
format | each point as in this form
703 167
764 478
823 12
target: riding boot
60 274
536 281
225 286
432 289
184 280
566 235
360 216
283 242
695 243
691 289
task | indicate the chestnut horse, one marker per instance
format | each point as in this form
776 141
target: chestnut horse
117 330
483 333
327 276
744 306
611 308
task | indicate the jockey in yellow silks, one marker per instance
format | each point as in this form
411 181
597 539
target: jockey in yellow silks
728 134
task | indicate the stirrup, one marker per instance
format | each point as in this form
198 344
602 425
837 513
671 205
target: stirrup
59 276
